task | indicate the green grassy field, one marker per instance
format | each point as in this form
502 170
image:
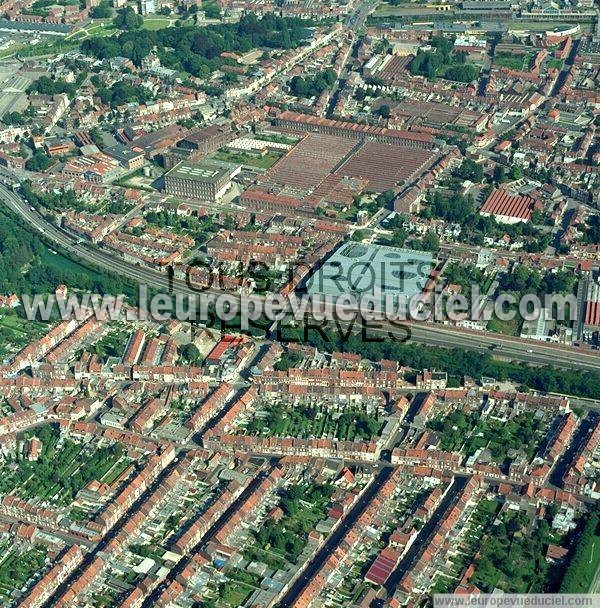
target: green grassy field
157 23
508 328
16 332
62 263
95 29
583 572
249 160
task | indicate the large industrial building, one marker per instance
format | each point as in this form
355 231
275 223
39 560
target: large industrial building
376 271
508 208
198 144
295 122
591 316
205 181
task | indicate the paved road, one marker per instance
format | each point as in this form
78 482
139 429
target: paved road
353 24
531 352
221 521
424 535
535 353
101 545
564 73
334 539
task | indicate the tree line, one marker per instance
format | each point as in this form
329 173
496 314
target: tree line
457 362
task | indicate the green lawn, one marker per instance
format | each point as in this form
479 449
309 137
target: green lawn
248 160
508 328
157 23
555 63
94 30
513 62
62 263
17 331
280 139
580 576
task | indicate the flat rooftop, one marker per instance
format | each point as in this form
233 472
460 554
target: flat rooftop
359 269
205 171
123 153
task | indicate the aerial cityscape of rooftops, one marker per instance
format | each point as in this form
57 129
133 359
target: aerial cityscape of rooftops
204 205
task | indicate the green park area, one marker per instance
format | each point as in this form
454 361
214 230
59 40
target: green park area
96 28
194 49
101 27
62 469
349 423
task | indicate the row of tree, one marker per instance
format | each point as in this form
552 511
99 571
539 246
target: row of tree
457 362
582 568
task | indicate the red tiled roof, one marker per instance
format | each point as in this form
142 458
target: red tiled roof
382 567
500 202
592 314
